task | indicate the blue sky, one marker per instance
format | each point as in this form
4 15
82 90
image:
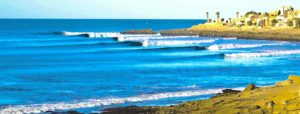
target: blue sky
134 9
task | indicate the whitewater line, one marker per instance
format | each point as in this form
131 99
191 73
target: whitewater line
236 46
263 54
128 38
40 108
147 43
106 34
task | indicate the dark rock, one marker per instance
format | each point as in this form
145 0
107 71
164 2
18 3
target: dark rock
68 112
230 91
130 110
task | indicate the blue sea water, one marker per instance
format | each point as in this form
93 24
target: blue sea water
40 66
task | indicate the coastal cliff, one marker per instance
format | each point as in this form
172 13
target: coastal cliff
282 98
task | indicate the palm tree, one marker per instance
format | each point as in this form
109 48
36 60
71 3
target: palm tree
218 15
207 16
237 14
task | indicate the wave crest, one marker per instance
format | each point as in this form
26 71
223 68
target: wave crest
141 38
236 46
106 34
263 54
93 34
147 43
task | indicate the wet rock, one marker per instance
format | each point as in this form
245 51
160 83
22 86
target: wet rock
230 91
129 110
68 112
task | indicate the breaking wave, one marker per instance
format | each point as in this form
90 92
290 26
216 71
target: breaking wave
93 34
147 43
229 38
106 34
128 38
39 108
263 54
236 46
176 48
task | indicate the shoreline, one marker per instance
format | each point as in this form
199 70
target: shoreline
204 30
283 97
255 34
280 35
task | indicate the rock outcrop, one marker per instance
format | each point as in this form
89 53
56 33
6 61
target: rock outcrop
284 98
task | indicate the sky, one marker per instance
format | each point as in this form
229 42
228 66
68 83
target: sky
135 9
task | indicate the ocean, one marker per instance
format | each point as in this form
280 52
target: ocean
42 69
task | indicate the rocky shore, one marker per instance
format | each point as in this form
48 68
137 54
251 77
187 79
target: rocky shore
284 35
282 98
143 31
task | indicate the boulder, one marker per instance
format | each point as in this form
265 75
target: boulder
250 87
230 91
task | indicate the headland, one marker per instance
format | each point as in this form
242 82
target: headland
280 24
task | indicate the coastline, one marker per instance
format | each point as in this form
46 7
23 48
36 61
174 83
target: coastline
281 34
207 30
283 97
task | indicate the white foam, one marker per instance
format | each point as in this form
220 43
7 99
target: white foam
142 38
39 108
73 33
147 43
263 54
236 46
229 38
141 35
93 34
107 34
